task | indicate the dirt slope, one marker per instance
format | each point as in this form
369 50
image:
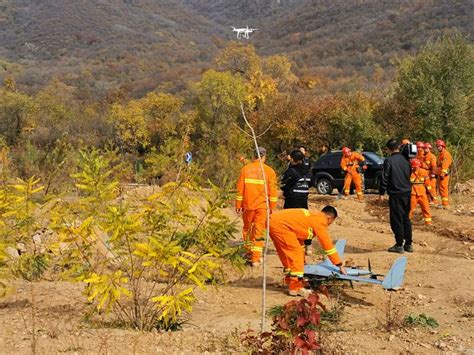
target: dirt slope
438 283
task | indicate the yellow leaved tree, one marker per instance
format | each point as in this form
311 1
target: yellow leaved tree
140 258
145 121
21 252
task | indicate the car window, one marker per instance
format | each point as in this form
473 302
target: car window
373 158
335 160
324 160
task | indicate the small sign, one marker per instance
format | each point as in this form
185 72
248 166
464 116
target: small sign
188 158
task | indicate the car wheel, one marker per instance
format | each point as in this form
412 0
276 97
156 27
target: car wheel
324 186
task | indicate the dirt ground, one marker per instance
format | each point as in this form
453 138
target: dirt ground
439 283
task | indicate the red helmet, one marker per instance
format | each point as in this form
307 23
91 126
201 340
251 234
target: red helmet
415 163
420 145
428 146
440 142
346 151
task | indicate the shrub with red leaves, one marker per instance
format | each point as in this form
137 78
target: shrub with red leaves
294 329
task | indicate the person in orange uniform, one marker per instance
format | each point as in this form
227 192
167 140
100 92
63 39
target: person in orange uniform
350 165
251 203
293 229
419 184
442 172
420 151
429 164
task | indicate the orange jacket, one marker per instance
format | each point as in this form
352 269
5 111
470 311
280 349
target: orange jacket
420 155
306 224
350 164
251 187
429 163
419 182
444 163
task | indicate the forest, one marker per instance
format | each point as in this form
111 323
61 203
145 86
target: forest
430 97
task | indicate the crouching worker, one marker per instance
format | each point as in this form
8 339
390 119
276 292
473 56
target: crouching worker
291 230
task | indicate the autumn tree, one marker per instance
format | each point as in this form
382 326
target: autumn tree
16 110
146 121
434 97
244 62
217 99
437 86
279 68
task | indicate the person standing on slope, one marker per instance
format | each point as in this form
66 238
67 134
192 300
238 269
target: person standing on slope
350 164
250 203
442 172
395 180
296 182
429 164
419 185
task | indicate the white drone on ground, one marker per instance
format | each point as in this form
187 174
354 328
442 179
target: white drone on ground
243 32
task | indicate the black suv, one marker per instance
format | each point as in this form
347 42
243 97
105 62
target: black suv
328 174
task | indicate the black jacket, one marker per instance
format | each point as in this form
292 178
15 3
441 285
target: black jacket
307 162
296 182
395 175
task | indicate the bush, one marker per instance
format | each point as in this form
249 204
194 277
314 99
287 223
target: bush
421 320
295 329
142 259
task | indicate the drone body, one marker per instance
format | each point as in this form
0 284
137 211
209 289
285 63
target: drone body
317 273
243 32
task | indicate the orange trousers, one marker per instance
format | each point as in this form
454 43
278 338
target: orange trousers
255 222
432 194
291 252
443 186
357 179
425 207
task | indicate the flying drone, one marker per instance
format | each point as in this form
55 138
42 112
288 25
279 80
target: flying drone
243 32
318 273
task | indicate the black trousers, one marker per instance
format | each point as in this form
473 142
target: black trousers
295 203
399 218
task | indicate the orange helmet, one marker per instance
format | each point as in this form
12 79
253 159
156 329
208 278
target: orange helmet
428 146
415 163
405 141
440 143
420 145
346 151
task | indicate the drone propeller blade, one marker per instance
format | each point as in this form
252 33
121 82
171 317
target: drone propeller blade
370 267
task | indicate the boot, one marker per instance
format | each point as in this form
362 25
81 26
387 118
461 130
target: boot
396 249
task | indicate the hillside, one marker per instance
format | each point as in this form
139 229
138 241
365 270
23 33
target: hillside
135 44
342 37
48 29
141 44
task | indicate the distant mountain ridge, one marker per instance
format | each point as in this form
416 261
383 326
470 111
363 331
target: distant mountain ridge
147 43
46 29
342 34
